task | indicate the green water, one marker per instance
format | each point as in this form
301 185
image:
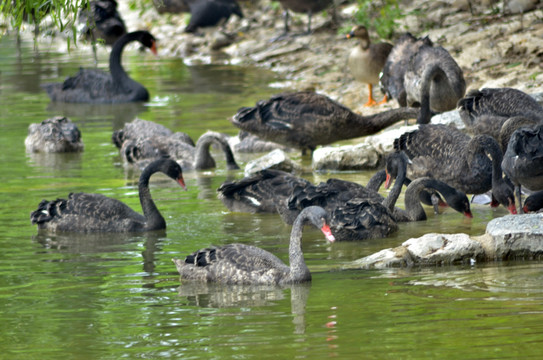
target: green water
115 296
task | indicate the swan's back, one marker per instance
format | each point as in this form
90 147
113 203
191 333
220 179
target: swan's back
57 134
305 6
499 103
392 79
139 128
233 264
261 192
102 21
142 151
444 153
206 13
83 212
299 119
523 160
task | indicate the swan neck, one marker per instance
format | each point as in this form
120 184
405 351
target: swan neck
298 268
376 122
154 219
203 158
115 67
414 209
390 201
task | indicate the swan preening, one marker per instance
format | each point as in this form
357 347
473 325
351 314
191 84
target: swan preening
141 142
88 213
54 135
246 264
96 86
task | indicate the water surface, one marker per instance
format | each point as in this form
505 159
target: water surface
119 296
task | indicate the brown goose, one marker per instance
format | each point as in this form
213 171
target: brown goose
83 212
523 160
245 264
431 77
306 119
366 60
447 154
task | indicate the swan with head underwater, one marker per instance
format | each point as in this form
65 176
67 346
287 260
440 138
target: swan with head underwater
97 86
83 212
246 264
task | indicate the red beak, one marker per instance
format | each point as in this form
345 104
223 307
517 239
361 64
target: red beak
181 182
512 208
468 214
328 233
153 48
388 179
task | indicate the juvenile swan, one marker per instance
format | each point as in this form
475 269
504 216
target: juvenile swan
246 264
83 212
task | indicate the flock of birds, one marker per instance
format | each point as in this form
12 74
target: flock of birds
438 164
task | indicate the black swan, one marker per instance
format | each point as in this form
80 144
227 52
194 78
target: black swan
102 21
366 60
392 79
57 134
523 160
533 202
447 154
83 212
306 119
357 213
138 128
262 192
485 111
431 79
305 6
204 13
246 264
96 86
141 151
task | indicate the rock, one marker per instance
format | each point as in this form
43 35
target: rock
511 237
515 236
276 159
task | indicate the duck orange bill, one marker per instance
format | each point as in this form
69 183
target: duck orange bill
387 181
181 182
328 233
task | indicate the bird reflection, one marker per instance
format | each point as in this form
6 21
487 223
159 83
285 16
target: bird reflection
117 114
56 161
213 295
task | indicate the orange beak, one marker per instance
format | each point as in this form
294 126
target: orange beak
181 182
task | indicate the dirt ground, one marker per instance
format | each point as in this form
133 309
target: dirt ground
493 46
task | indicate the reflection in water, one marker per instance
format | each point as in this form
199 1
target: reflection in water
56 161
522 279
214 295
116 114
99 242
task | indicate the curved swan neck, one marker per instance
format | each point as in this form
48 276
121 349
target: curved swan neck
115 67
298 269
413 207
154 219
392 197
203 159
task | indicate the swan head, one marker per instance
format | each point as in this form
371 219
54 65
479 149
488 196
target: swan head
320 219
171 168
149 41
459 202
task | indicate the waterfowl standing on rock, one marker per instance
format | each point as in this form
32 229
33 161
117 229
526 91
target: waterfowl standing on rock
447 154
96 86
83 212
206 13
306 119
417 73
57 134
366 60
523 160
246 264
